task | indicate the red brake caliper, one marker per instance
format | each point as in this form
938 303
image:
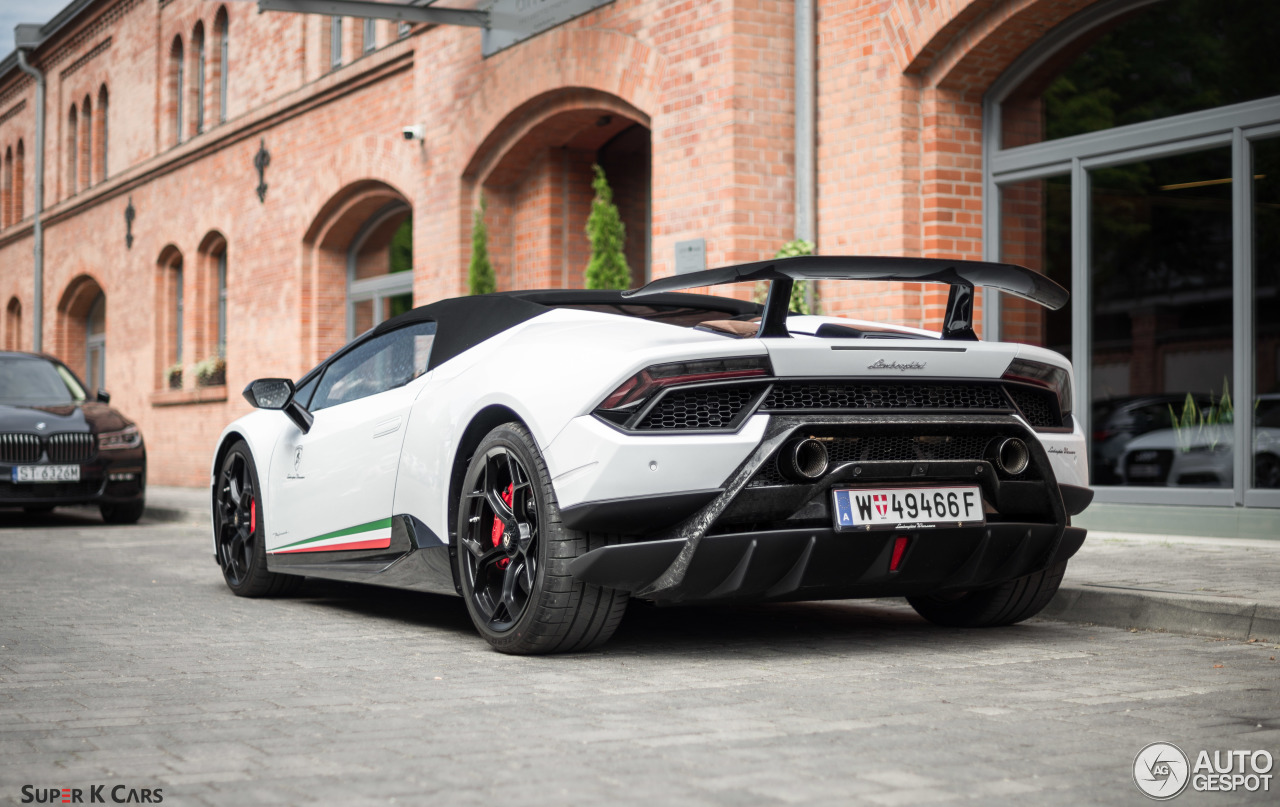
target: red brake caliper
496 531
253 516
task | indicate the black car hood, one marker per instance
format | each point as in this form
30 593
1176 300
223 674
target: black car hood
88 416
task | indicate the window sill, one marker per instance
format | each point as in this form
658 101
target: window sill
198 395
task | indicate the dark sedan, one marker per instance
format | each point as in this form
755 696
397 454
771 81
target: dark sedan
58 447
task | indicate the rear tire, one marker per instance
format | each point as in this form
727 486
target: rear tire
513 555
126 513
238 527
1004 604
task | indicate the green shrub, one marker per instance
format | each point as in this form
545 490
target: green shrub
608 266
480 278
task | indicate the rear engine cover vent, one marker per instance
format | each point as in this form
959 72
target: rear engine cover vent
881 395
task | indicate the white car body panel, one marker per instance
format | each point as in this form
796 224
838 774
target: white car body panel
341 474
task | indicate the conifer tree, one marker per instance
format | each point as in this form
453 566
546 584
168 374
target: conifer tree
480 279
608 266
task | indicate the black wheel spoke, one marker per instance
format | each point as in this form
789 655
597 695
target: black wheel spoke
509 592
500 508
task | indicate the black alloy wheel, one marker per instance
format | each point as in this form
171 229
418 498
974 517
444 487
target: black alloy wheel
513 555
501 544
238 525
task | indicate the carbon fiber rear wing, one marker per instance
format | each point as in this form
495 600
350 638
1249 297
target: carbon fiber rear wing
962 276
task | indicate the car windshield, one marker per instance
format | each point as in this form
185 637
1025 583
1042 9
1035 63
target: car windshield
31 381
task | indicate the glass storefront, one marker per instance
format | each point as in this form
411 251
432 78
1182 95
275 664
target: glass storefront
1134 157
1266 312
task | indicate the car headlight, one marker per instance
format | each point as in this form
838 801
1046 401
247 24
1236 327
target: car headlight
128 437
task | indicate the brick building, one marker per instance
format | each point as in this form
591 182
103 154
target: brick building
229 194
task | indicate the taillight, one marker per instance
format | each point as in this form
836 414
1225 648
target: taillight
640 387
1049 376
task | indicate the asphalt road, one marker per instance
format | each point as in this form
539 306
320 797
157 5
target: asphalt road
125 661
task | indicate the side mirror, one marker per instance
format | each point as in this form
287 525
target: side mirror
277 394
269 393
104 396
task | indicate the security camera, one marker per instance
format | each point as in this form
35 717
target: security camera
413 132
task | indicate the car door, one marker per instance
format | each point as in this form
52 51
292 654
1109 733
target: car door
332 488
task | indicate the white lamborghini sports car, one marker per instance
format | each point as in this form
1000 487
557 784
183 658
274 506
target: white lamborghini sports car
548 455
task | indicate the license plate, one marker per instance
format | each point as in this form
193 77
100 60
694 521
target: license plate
907 508
46 473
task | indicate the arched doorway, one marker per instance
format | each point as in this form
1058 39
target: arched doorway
535 171
80 336
359 265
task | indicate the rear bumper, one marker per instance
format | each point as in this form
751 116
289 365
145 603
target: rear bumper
763 538
809 564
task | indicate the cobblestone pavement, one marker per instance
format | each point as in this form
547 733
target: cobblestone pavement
124 660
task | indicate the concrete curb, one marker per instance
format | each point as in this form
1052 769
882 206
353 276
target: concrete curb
1197 614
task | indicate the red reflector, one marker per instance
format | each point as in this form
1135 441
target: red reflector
899 546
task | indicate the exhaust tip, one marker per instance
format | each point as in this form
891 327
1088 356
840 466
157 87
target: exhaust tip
804 460
1010 455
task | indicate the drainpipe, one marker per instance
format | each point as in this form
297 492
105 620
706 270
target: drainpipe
806 93
27 37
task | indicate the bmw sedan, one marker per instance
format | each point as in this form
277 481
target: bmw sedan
59 447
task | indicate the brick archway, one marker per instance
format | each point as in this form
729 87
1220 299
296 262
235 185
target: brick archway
71 329
535 171
948 53
339 222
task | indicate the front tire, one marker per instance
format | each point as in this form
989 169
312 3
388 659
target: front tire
513 555
238 525
1004 604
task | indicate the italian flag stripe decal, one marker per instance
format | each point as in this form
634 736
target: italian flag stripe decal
374 535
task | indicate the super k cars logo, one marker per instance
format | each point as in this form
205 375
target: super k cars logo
93 794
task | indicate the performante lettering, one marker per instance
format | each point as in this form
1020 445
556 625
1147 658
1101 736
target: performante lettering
864 507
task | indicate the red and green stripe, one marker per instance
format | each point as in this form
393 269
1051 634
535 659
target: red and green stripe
372 535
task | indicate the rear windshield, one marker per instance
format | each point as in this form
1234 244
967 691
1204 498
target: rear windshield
30 381
682 315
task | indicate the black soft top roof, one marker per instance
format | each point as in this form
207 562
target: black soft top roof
464 322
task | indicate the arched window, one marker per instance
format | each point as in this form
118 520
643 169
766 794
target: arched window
209 346
13 325
222 28
176 91
19 170
197 79
86 143
6 189
100 137
73 150
380 269
95 345
170 294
